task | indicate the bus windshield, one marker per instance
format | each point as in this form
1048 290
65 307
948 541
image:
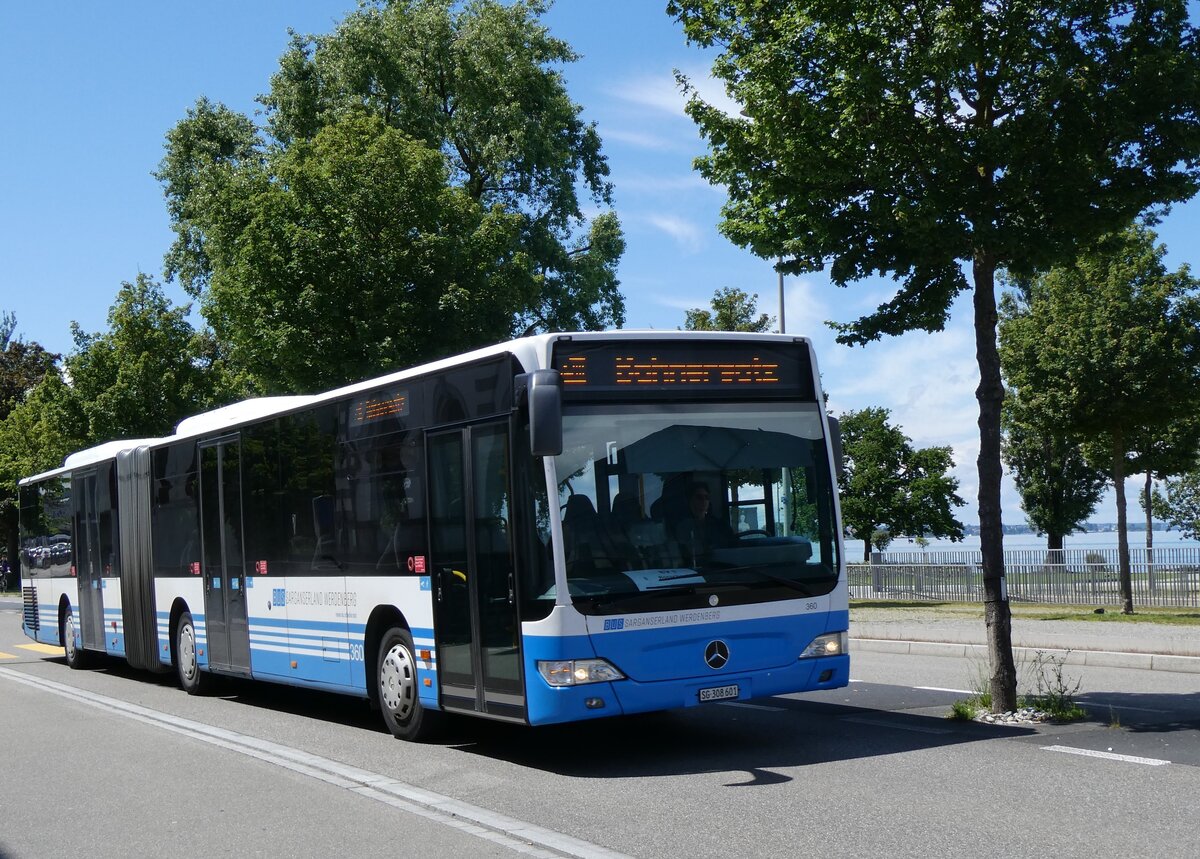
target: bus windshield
669 506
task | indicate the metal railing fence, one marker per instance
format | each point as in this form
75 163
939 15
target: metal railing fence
1168 576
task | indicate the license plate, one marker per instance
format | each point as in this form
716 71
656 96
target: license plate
719 693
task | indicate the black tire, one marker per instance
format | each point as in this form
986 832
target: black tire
77 657
397 689
187 666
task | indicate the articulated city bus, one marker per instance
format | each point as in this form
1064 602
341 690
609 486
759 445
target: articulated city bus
556 528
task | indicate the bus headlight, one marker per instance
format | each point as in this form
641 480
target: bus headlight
577 672
829 644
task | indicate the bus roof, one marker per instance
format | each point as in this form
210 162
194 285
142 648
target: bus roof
532 352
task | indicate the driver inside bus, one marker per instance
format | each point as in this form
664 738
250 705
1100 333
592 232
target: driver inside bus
700 532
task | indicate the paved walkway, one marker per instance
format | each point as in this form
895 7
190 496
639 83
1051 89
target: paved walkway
1128 645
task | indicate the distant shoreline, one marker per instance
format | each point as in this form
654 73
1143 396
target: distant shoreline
1029 540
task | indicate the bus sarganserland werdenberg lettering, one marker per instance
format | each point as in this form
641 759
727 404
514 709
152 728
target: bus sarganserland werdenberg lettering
557 528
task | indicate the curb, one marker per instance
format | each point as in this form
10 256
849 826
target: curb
1104 658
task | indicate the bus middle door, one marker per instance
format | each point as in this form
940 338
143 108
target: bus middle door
88 572
477 628
223 559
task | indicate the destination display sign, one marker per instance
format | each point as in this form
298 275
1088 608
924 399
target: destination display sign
687 366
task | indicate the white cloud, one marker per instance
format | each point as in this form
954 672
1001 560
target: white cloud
927 382
662 93
658 92
642 140
805 310
675 302
686 234
645 183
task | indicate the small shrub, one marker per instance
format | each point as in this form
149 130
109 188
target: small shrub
1055 691
963 710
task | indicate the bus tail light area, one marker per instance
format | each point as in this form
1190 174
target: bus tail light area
829 644
577 672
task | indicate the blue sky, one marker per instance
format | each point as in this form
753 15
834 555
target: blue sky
92 88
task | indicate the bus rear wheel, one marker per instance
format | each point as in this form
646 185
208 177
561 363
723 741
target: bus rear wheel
397 688
187 664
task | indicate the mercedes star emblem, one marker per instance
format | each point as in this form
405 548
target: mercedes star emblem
716 654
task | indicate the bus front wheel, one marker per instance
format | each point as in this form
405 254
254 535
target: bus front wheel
76 655
187 664
397 687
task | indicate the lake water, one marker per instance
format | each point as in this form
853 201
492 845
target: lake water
1090 540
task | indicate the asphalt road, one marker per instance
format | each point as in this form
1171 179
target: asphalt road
113 762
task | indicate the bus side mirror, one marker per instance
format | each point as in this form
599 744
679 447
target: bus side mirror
540 391
835 437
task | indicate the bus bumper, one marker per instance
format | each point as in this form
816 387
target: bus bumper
549 705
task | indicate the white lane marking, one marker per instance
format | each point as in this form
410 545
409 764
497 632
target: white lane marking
1092 702
755 706
942 689
516 835
883 723
1108 756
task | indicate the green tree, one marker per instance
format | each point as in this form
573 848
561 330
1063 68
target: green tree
1109 350
942 143
147 372
1178 503
888 488
23 365
1171 451
35 436
732 310
1059 488
415 191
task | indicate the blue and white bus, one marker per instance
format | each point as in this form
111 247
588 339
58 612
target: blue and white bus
557 528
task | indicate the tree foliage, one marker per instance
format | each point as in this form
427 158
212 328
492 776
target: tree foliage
414 192
1108 350
911 139
1059 488
732 310
150 370
889 488
22 365
1178 503
35 435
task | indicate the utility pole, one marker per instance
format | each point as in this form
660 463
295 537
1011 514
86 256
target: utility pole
782 326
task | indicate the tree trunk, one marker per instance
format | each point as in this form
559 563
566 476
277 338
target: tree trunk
1118 470
1149 533
1003 681
1054 550
8 526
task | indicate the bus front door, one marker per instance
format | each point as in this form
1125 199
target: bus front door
223 561
477 628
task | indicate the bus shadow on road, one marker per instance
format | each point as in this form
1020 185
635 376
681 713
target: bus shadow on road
755 740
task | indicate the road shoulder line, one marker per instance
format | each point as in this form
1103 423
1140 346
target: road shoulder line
1100 658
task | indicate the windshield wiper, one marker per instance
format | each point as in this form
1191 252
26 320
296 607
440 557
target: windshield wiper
597 600
786 582
770 577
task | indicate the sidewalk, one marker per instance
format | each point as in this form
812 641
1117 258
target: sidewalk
1150 646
